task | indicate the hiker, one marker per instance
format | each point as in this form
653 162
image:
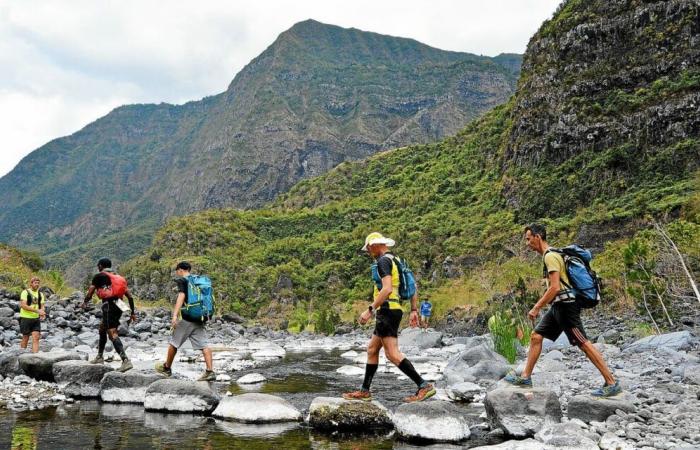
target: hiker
564 315
31 313
426 310
388 311
189 327
110 287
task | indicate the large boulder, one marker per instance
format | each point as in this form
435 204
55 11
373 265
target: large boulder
183 396
474 364
80 378
559 436
40 365
9 363
416 337
257 408
679 340
589 408
126 387
464 392
6 312
522 412
437 421
331 413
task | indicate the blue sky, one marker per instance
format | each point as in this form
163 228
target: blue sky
64 64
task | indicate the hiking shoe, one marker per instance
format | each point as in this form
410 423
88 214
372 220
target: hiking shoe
517 380
365 396
608 390
422 394
98 360
160 368
208 375
126 365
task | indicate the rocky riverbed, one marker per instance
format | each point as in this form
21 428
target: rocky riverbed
291 384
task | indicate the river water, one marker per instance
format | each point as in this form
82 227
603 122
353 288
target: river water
299 377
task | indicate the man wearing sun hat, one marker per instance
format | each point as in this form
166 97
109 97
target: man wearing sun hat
387 305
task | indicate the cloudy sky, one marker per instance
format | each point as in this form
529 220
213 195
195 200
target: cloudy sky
64 64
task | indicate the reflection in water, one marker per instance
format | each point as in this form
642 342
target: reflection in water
24 438
256 430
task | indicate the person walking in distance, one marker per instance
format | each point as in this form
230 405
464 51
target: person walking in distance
389 312
110 288
564 315
31 313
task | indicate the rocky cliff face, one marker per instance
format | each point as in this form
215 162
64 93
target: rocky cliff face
319 95
610 88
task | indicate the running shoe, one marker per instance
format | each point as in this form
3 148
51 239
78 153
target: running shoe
608 390
126 365
160 368
98 360
363 395
208 375
517 380
423 393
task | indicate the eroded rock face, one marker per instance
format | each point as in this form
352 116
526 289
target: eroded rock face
589 408
522 412
126 387
436 421
257 408
415 337
81 379
679 340
180 396
479 363
40 365
330 413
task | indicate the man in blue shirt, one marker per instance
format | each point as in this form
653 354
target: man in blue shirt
426 310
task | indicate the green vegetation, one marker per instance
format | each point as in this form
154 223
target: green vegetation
17 267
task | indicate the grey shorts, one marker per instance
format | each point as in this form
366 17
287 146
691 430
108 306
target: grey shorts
189 330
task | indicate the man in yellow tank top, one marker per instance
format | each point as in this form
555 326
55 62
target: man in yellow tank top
31 313
387 306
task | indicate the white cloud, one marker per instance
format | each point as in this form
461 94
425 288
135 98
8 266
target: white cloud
67 63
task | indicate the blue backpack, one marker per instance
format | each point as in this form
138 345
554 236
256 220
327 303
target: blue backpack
407 281
585 283
200 298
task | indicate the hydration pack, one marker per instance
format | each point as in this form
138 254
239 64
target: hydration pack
407 281
116 289
584 283
200 299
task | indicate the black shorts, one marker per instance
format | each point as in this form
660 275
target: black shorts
387 323
28 326
110 315
564 317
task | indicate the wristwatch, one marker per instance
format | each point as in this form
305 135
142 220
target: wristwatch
371 309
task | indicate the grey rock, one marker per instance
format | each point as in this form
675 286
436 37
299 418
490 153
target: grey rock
6 312
331 413
590 409
464 392
81 379
415 337
126 387
679 340
522 412
473 364
435 421
563 435
257 408
9 363
40 365
183 396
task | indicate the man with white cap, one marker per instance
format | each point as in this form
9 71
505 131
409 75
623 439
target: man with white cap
386 304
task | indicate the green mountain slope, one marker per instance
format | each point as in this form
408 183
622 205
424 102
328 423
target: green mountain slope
457 207
318 96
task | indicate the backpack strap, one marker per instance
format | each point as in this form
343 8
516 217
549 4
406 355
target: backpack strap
564 294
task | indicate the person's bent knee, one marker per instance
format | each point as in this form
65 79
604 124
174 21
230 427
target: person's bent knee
536 338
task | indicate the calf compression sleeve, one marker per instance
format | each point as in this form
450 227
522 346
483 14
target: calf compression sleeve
119 347
370 370
410 371
103 342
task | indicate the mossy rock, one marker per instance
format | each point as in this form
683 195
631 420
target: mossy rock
329 413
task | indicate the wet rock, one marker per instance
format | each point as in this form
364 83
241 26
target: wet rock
464 392
589 409
40 365
680 340
522 412
127 387
251 378
415 337
330 413
180 396
80 378
271 351
437 421
257 408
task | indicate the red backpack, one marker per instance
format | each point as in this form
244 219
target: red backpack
117 289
